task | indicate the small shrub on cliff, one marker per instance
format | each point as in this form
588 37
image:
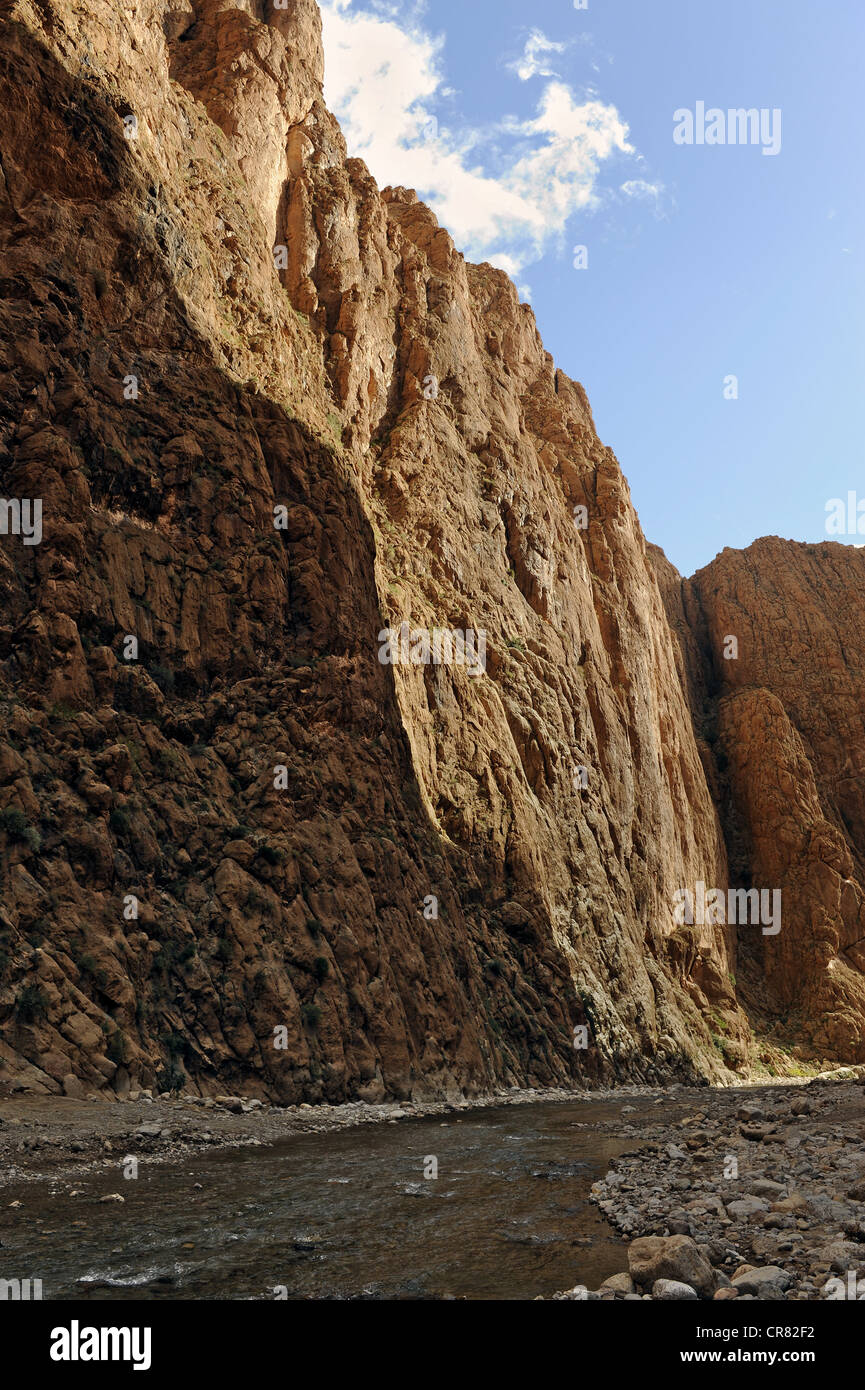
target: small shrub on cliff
38 932
31 1004
116 1048
311 1015
270 854
14 822
119 821
176 1045
171 953
62 711
172 1078
321 968
88 966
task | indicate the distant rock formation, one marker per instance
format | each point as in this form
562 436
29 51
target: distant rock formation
785 721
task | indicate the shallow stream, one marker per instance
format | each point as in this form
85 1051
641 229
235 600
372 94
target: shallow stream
342 1215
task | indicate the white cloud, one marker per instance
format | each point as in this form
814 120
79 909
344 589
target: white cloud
506 192
532 63
502 261
639 188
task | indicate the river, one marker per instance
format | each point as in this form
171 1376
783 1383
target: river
349 1214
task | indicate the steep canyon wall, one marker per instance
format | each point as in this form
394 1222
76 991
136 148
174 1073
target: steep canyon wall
272 413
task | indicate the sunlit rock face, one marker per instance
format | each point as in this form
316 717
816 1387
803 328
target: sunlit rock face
273 415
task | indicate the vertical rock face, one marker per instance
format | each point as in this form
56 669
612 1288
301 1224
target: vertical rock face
237 848
785 717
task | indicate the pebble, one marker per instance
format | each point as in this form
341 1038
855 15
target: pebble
769 1224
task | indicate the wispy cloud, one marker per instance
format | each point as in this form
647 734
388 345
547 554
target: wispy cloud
506 191
640 188
535 62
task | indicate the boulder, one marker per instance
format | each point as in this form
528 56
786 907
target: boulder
771 1279
619 1283
745 1208
672 1291
678 1258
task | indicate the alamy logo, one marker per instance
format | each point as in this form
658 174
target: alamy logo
21 517
737 907
407 646
20 1290
733 127
836 1288
846 520
77 1343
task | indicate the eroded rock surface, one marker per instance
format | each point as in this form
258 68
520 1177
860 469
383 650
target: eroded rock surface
783 726
219 317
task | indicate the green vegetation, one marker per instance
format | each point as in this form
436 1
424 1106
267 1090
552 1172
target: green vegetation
62 710
172 1079
31 1004
116 1048
164 677
119 821
270 854
17 827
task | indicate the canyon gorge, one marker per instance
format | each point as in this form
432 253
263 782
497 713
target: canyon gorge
238 851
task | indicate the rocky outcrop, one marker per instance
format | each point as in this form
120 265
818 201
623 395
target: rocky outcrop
272 415
771 648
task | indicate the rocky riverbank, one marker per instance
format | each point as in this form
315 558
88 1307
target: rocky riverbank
757 1192
743 1194
50 1136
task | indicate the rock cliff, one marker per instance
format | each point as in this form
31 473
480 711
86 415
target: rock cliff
783 711
272 416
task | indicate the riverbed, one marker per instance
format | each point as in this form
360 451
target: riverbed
486 1204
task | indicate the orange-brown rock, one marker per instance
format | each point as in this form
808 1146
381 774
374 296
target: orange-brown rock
784 713
246 854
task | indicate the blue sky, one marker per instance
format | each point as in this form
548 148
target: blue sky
532 130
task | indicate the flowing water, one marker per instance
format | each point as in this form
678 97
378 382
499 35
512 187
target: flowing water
341 1215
